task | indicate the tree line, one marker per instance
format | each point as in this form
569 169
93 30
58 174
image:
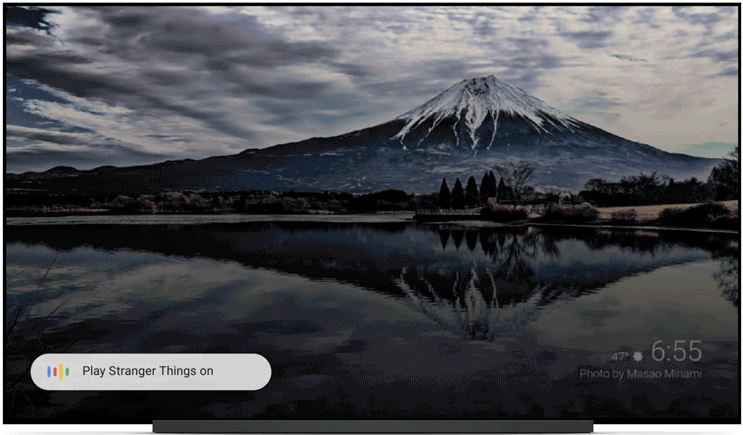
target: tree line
252 201
510 187
722 184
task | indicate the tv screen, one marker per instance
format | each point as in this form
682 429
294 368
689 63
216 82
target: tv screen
372 212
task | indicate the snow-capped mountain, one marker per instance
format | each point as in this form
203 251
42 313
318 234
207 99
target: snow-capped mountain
471 112
467 129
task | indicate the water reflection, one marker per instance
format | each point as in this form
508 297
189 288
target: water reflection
348 313
728 277
470 307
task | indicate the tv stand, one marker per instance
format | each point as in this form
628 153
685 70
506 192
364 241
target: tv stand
372 426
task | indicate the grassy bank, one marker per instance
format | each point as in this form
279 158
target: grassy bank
715 216
651 212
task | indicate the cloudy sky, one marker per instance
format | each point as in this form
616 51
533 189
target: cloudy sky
128 85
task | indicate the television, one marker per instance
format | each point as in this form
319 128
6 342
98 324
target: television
371 217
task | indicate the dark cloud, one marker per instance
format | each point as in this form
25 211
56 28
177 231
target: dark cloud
731 71
718 55
31 39
184 54
28 16
79 149
599 101
53 136
602 15
589 38
646 17
628 57
353 70
710 17
183 81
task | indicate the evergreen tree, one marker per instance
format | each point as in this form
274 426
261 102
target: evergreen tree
488 187
501 191
484 188
457 195
471 195
494 183
444 195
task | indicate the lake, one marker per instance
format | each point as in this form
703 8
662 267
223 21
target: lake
380 319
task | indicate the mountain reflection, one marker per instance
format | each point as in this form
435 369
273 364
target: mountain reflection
465 299
470 307
467 302
337 305
527 264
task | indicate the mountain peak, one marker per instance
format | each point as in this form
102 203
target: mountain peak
485 81
473 102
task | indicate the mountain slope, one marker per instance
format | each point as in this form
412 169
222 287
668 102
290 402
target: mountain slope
465 130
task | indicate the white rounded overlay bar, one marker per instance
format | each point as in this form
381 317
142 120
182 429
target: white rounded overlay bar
151 371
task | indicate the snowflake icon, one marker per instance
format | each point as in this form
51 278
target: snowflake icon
637 356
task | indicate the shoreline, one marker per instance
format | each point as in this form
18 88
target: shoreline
634 227
192 219
488 224
195 219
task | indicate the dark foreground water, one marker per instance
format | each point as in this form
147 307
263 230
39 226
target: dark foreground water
380 320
